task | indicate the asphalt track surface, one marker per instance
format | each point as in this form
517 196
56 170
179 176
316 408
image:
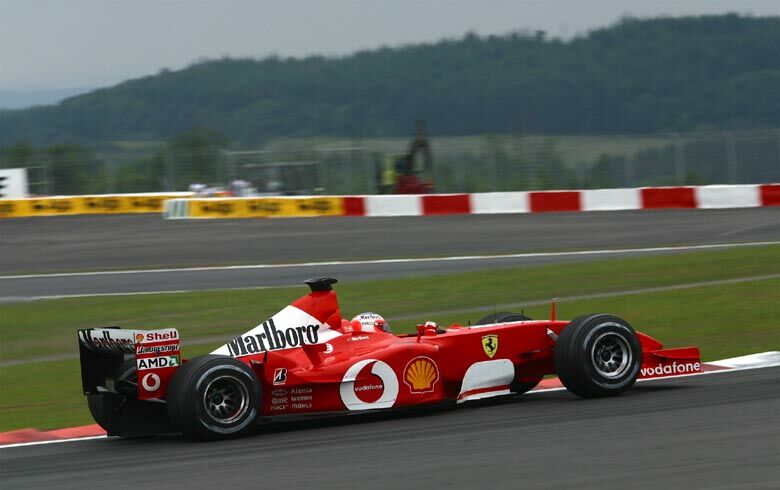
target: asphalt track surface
100 243
719 431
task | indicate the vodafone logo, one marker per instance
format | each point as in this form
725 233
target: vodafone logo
369 384
671 369
150 382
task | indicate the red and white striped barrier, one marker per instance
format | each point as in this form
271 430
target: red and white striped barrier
687 197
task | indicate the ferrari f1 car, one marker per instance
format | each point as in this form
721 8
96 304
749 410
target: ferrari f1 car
306 359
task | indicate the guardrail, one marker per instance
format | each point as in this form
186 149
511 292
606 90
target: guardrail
182 205
95 204
687 197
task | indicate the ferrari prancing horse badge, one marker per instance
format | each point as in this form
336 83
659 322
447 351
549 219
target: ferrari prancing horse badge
490 344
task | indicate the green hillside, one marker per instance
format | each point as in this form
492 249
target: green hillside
638 76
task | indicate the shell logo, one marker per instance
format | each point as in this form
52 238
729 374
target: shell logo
421 374
139 337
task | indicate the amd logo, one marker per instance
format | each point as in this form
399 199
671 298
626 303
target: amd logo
157 362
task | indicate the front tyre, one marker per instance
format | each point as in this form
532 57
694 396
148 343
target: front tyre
214 397
598 355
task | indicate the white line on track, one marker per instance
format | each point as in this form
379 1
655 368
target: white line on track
767 363
400 261
737 231
744 363
648 380
21 299
53 441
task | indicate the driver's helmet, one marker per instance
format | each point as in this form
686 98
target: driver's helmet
371 322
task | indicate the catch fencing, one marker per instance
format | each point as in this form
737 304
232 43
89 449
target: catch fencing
464 164
492 163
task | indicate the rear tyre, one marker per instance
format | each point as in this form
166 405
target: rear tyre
107 408
598 355
214 397
502 317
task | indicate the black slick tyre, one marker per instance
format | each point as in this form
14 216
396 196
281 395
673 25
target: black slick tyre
214 397
598 355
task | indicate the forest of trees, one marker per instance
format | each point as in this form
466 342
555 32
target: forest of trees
638 76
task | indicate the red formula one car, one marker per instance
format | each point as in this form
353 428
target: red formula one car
306 359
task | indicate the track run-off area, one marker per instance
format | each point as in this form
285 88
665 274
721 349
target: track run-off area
712 431
94 255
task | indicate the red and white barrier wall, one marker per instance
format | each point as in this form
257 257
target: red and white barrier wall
687 197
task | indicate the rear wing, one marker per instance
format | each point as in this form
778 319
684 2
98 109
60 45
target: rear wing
102 351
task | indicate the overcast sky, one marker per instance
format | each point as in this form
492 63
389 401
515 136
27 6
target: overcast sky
47 44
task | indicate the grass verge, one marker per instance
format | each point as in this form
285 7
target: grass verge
47 327
724 320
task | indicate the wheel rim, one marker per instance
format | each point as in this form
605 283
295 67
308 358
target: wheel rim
611 355
226 399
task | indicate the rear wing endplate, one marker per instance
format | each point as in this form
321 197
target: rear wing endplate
102 351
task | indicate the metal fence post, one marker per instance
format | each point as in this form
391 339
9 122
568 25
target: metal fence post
460 174
110 177
679 159
346 166
778 153
494 172
582 169
167 179
630 176
368 168
46 180
325 176
230 164
731 156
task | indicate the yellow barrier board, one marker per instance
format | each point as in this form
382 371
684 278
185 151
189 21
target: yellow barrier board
147 204
51 206
266 207
100 204
232 207
217 208
11 208
295 206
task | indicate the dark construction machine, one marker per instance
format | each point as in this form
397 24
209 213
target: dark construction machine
404 173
